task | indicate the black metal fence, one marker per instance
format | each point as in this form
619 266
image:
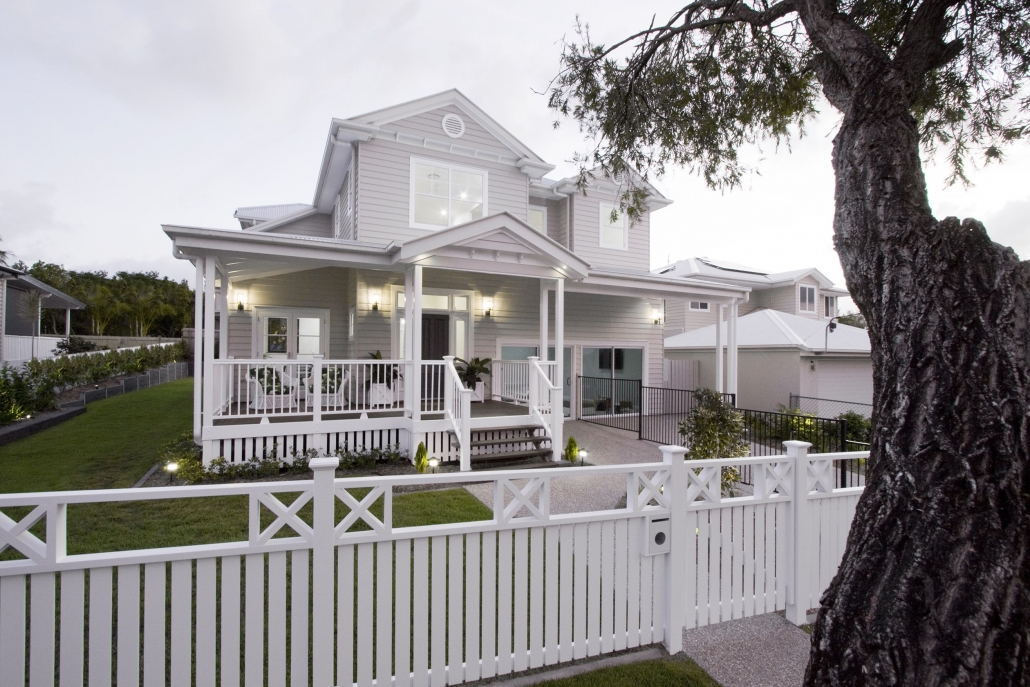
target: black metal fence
611 402
825 407
664 410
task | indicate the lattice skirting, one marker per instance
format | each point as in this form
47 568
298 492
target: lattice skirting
286 446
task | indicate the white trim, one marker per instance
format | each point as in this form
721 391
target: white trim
543 209
707 308
826 311
451 167
468 315
601 214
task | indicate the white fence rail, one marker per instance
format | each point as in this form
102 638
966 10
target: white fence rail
417 606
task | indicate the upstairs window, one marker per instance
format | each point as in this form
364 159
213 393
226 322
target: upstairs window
807 294
700 306
829 306
444 195
613 233
537 218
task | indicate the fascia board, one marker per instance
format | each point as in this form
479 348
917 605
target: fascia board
192 240
648 289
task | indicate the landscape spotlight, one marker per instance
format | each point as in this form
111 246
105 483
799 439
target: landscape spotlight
434 463
170 468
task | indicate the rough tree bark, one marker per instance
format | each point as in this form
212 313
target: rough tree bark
933 589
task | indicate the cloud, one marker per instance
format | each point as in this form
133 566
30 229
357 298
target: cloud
28 220
1010 226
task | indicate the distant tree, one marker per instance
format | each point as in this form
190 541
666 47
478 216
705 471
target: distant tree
855 319
934 587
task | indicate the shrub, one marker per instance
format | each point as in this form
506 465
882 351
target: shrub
421 458
76 344
571 450
859 428
715 429
368 458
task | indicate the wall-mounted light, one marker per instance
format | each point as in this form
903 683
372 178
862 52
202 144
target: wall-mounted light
373 298
488 306
241 300
656 315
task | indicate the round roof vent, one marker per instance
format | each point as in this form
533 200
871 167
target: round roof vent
453 125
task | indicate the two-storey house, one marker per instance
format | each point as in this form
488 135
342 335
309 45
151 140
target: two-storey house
433 236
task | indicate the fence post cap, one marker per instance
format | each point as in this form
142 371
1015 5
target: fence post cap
324 463
672 453
799 445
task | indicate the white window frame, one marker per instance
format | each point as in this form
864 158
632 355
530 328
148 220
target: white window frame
543 209
707 306
451 167
605 210
826 302
352 323
262 312
815 299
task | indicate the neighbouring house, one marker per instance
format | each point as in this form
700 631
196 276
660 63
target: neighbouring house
22 300
804 292
782 355
433 234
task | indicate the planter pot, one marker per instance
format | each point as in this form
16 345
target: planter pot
479 393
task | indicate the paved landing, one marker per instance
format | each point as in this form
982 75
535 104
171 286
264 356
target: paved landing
763 651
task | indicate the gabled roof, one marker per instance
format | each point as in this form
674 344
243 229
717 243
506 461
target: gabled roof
655 200
757 279
773 329
304 211
499 243
376 124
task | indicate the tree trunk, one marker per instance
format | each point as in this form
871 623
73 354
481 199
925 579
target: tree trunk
933 588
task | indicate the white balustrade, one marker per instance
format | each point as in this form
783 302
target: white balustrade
255 388
496 596
546 403
458 410
510 378
432 386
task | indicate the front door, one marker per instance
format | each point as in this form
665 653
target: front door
435 345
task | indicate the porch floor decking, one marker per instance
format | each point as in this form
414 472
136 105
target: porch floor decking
479 410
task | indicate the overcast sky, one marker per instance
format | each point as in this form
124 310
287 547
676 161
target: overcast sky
119 116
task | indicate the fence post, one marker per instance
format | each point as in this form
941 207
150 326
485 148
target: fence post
798 555
534 385
323 571
680 538
640 409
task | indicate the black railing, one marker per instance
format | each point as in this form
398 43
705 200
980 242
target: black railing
611 402
664 410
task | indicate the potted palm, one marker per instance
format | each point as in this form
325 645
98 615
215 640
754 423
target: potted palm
381 386
471 376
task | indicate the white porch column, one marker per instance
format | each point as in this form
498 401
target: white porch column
731 368
544 340
719 383
198 353
209 341
3 317
67 322
408 353
223 320
557 412
415 325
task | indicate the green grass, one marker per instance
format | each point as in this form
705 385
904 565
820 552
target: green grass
109 446
662 672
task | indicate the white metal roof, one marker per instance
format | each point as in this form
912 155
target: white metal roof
733 273
774 329
264 213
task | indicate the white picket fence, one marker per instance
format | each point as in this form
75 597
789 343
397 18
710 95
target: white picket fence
417 606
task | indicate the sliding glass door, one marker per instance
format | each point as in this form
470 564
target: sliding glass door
611 380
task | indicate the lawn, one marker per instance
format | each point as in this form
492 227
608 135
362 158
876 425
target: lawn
109 446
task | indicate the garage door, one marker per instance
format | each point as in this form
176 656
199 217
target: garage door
845 380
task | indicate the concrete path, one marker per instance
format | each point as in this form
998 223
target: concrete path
605 446
762 651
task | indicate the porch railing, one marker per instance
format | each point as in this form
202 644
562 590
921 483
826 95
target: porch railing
260 388
458 411
545 402
433 378
510 378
